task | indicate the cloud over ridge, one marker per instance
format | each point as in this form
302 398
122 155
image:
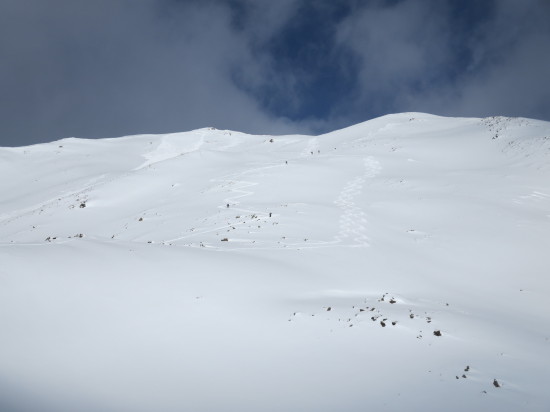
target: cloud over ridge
103 68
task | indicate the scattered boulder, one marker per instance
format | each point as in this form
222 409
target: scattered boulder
437 332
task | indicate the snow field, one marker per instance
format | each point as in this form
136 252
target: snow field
398 264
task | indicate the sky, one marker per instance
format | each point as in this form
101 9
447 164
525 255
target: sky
106 68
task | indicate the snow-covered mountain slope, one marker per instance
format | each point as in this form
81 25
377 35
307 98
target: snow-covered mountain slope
399 264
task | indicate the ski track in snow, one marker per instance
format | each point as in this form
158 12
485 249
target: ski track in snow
352 223
534 195
235 186
238 188
353 220
167 150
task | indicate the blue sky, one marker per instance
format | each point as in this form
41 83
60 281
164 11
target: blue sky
108 68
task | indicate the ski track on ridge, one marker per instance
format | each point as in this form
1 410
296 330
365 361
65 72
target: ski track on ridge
167 150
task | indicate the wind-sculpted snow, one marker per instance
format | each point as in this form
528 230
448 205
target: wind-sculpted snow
398 264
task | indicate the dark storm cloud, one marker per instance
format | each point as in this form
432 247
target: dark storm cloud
509 74
115 67
457 58
106 68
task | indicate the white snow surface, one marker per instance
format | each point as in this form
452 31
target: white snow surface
218 271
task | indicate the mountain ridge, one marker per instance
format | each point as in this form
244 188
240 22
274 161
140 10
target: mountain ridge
398 263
